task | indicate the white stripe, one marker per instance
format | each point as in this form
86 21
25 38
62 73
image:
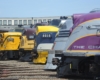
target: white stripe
45 46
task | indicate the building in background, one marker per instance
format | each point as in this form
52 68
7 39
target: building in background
25 20
10 22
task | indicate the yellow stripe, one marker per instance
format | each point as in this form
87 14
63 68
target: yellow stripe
81 38
46 29
86 22
83 51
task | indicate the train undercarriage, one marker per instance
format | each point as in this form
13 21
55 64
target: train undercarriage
9 55
25 55
78 66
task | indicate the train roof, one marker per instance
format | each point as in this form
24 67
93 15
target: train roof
40 24
86 17
30 30
48 28
75 16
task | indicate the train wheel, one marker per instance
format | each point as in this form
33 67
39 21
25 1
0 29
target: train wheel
58 73
94 69
5 56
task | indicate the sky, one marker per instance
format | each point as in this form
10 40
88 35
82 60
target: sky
45 8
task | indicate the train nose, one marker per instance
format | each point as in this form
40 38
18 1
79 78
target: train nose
55 61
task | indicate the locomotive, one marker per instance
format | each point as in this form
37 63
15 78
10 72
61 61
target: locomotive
81 54
47 43
61 39
28 42
59 42
9 43
45 36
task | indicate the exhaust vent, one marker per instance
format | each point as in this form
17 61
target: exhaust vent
64 33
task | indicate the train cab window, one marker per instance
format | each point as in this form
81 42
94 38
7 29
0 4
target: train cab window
68 24
55 22
63 26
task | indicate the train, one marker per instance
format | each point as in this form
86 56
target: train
17 42
28 42
81 54
59 42
12 40
63 34
51 29
9 43
45 36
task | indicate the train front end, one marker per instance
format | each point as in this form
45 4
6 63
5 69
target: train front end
59 43
45 36
9 45
27 44
81 56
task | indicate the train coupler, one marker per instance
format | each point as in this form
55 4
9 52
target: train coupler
55 61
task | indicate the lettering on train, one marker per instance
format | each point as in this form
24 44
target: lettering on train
79 47
89 47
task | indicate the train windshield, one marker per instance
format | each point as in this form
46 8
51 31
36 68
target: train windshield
67 24
55 22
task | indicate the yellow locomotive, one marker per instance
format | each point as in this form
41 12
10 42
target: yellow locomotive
9 43
27 44
45 36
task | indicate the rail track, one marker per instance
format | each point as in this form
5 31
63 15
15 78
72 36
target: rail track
15 70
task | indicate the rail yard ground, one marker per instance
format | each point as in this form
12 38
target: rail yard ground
15 70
